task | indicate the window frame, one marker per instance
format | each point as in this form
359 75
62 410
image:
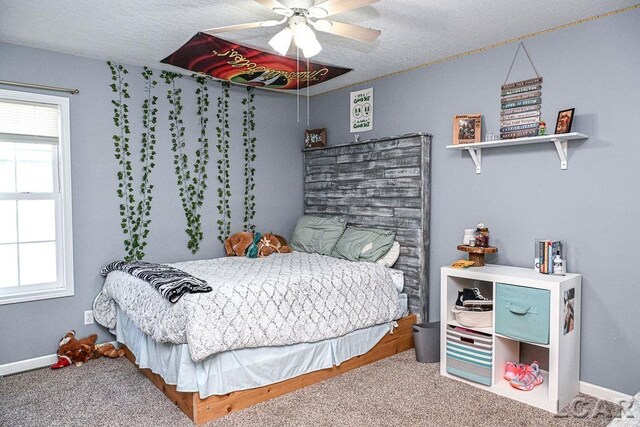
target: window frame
64 231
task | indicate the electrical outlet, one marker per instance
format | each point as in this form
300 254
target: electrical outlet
88 317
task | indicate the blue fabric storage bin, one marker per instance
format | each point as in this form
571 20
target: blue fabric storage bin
522 313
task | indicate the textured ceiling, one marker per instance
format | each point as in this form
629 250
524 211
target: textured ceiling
414 32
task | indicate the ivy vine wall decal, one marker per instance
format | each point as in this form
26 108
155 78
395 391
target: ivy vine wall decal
191 185
224 181
134 217
248 126
135 206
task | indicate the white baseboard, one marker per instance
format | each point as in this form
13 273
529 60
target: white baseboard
604 393
35 363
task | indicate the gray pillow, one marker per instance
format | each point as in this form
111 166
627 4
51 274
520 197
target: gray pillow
314 234
364 244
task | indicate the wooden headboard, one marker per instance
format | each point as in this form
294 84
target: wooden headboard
382 183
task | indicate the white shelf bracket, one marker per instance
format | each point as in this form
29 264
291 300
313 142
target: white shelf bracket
562 149
476 156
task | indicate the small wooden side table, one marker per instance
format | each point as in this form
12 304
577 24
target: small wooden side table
476 253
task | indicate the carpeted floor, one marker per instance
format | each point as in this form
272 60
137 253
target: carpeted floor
396 391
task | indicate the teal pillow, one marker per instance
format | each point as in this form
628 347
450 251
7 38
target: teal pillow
364 244
315 234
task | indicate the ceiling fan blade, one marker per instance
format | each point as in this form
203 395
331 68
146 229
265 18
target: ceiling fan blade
351 31
237 27
273 4
333 7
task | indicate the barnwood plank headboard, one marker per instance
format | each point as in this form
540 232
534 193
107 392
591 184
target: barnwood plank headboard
382 183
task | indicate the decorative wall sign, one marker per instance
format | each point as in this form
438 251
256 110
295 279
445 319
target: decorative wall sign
361 111
236 63
467 128
520 104
315 138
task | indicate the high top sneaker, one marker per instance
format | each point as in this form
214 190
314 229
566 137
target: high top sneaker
473 297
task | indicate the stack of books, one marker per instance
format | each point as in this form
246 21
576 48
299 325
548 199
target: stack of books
547 249
520 109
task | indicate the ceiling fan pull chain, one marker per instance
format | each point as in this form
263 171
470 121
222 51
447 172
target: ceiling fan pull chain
308 81
514 61
298 81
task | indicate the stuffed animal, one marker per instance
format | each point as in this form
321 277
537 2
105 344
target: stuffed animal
107 350
71 350
271 243
237 244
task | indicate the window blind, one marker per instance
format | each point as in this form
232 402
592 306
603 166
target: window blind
28 121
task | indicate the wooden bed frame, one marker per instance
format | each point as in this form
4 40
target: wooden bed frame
204 410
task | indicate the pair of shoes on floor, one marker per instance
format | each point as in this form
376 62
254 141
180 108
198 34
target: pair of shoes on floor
472 298
523 377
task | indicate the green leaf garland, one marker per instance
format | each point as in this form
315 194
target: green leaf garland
147 157
134 218
224 181
191 186
248 126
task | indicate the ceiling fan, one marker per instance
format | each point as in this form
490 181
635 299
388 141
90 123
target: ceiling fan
301 15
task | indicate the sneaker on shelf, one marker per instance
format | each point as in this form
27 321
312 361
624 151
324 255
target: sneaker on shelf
472 296
528 378
512 370
460 299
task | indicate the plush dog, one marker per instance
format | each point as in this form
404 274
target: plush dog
237 244
71 350
107 350
272 243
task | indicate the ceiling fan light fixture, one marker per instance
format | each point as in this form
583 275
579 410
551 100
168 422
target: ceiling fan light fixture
312 48
282 41
303 35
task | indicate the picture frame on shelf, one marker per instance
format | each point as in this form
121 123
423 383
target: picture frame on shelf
564 121
467 128
315 138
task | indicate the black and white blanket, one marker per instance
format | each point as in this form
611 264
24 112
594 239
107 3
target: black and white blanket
273 301
171 282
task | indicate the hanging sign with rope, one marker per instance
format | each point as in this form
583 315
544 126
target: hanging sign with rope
520 103
245 65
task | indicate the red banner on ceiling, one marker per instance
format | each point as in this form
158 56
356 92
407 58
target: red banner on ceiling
236 63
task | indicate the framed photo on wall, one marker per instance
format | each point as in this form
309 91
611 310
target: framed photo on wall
565 120
467 128
315 138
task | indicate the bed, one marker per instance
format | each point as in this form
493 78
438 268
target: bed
273 325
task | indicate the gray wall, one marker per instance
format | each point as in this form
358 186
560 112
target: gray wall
522 193
34 328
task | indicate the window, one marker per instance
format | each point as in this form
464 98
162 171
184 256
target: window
35 198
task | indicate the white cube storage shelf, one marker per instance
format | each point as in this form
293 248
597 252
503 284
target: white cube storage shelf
531 326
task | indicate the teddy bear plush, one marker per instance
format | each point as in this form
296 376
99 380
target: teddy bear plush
237 244
72 350
272 243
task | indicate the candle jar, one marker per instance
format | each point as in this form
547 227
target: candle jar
482 237
469 233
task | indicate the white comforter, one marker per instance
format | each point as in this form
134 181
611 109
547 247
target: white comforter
278 300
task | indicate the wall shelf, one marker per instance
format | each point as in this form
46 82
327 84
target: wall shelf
560 141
